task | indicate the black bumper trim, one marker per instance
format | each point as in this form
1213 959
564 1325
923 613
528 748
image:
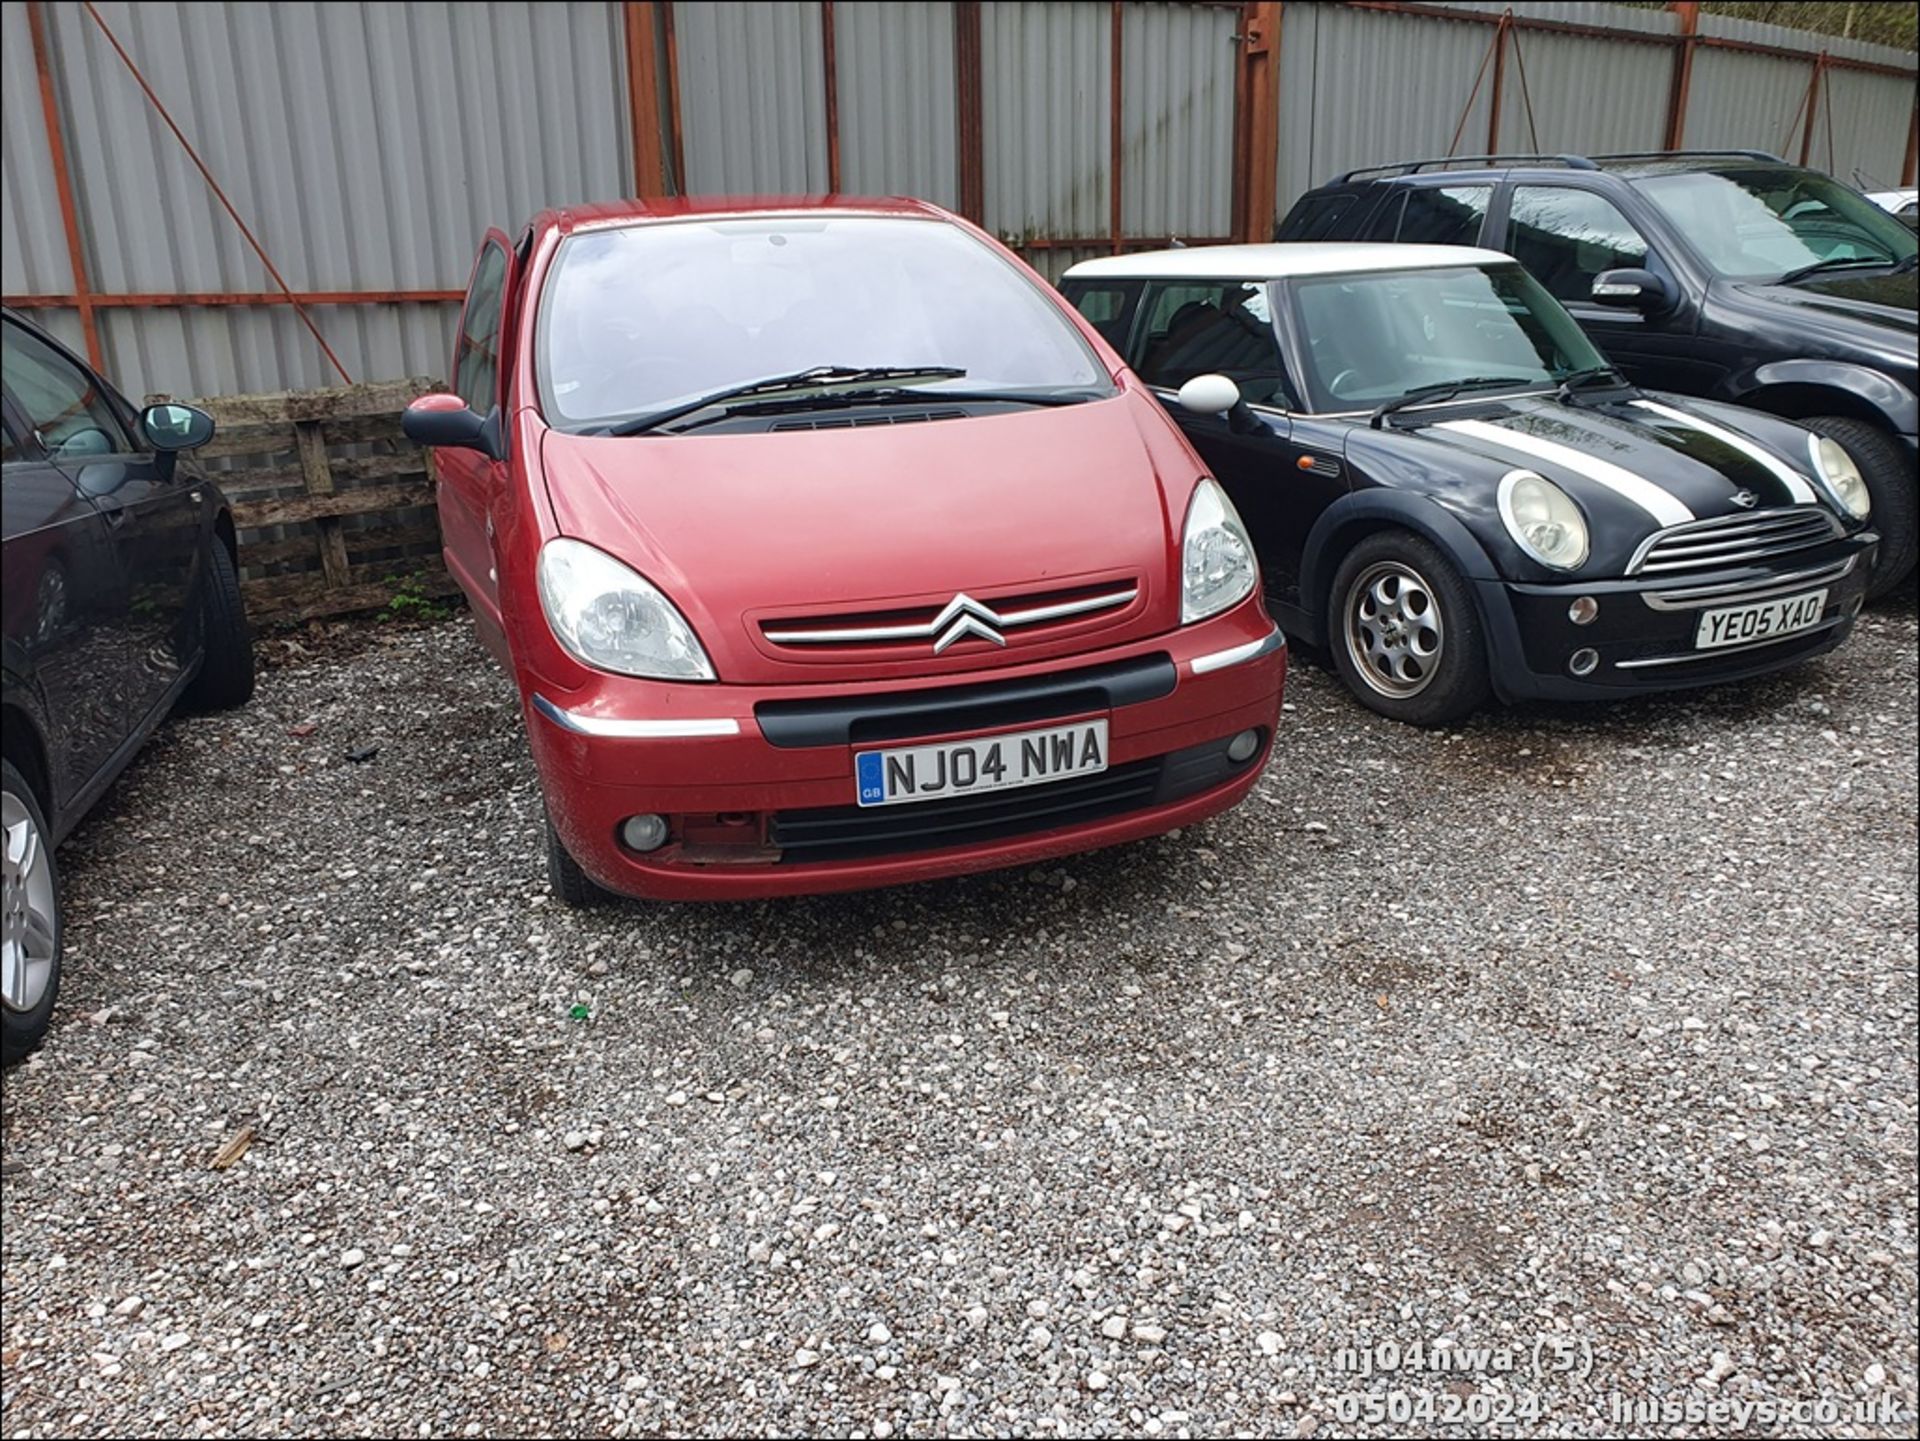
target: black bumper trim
904 715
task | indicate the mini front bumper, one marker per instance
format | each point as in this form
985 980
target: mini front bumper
744 773
1643 638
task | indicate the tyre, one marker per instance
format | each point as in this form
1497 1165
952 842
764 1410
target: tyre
1888 472
29 919
572 885
226 661
1405 633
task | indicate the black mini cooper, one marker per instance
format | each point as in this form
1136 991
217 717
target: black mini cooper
1451 490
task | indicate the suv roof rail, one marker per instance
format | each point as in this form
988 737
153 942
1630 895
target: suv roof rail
1767 155
1414 167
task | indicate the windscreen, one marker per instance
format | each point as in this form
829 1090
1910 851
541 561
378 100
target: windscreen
642 318
1374 337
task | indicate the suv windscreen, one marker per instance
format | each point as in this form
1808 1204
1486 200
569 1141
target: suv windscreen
1375 337
640 319
1770 221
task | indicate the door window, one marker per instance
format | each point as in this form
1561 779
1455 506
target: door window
59 398
476 370
1107 307
1566 237
1444 214
1214 327
1317 217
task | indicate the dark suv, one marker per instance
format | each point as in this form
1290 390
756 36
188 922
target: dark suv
1733 276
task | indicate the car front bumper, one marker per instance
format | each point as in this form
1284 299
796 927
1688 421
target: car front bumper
1643 638
757 782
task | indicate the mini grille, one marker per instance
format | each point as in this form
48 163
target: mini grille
1734 540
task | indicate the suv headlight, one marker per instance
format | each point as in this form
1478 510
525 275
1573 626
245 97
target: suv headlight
1217 568
1543 520
606 616
1841 476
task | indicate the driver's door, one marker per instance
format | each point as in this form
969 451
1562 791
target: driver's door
1566 236
1225 327
468 481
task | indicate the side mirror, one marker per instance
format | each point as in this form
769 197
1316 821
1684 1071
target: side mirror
1218 395
1630 290
443 420
171 427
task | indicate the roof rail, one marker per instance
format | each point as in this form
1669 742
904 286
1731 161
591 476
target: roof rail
1766 155
1446 162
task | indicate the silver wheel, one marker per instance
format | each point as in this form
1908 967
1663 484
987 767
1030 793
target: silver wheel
1394 632
27 917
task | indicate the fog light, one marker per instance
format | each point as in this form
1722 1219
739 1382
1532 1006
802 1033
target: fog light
1583 661
1242 746
644 833
1583 610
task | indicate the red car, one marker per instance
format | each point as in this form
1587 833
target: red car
830 549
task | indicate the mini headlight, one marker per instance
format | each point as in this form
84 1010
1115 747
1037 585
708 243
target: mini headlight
1543 520
1841 476
1217 567
608 617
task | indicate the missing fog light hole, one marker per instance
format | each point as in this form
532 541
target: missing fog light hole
1583 661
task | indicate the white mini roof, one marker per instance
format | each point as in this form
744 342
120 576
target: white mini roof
1277 262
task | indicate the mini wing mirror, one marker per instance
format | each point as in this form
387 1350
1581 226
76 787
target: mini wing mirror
1218 395
1630 290
171 427
446 421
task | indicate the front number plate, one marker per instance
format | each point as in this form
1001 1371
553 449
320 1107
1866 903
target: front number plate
991 763
1769 620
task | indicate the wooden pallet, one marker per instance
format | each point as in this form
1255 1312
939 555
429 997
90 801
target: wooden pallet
334 505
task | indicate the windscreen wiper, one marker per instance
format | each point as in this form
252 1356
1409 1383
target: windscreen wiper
818 375
1441 390
888 395
1592 375
1849 262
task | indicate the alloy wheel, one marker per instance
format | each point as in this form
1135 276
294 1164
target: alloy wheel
1395 635
28 928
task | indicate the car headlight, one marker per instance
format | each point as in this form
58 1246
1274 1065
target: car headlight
1841 476
606 616
1543 520
1217 568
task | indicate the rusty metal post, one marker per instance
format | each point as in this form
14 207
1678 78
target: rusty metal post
970 106
1115 127
63 183
1256 146
1499 81
830 62
1813 105
1688 13
676 141
643 98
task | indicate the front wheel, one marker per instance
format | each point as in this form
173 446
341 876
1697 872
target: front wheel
226 656
29 918
573 886
1404 631
1888 472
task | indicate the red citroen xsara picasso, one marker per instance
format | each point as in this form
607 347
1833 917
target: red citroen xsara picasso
830 549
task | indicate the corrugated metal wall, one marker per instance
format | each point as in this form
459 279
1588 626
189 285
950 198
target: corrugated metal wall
352 137
897 100
370 143
1048 82
752 97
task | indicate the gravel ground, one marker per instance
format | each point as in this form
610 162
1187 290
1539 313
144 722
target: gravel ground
1582 1037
